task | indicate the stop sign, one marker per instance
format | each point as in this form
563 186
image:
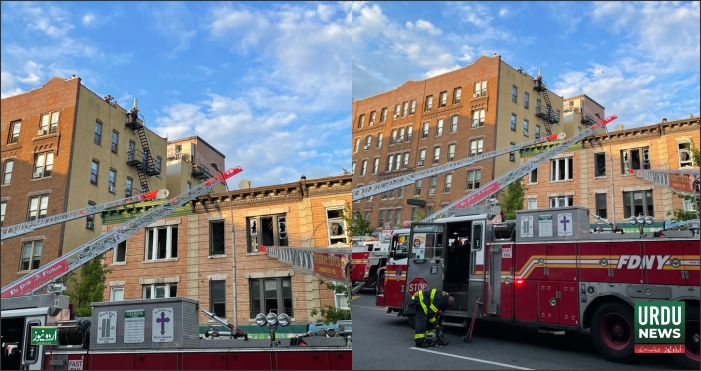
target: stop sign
417 284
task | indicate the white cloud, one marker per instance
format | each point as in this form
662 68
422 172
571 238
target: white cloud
51 20
428 27
8 85
175 22
503 12
88 19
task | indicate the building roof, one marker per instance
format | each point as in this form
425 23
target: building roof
198 139
585 97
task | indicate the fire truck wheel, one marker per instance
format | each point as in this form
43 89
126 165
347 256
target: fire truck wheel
690 359
612 332
380 284
412 321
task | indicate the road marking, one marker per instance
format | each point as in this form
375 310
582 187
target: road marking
384 309
472 359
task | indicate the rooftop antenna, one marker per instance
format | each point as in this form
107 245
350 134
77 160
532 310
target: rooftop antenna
135 105
540 75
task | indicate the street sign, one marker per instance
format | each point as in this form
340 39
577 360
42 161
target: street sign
44 335
417 284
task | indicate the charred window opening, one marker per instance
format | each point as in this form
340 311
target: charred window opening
269 230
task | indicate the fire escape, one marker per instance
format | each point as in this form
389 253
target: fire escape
549 115
141 160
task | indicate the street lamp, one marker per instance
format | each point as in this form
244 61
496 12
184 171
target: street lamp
272 320
613 191
233 241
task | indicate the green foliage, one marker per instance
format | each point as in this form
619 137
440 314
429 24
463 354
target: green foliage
513 199
421 214
90 287
358 225
331 314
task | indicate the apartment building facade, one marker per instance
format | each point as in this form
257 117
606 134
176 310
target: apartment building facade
189 253
64 148
479 108
582 175
189 164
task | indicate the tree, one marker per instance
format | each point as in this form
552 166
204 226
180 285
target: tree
331 314
358 225
513 199
90 287
421 214
681 214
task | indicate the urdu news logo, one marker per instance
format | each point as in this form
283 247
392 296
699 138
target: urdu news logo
659 327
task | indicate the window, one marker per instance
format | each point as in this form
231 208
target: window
526 98
161 242
417 188
7 172
361 120
353 168
357 145
3 206
439 128
429 103
537 106
451 152
478 118
432 185
390 162
98 133
13 137
414 213
689 205
473 179
120 253
533 177
266 230
514 94
43 165
112 181
116 293
31 255
636 158
49 123
405 109
188 186
372 118
217 298
401 135
409 130
160 291
480 89
158 165
599 164
128 186
424 132
422 156
385 195
94 171
413 107
557 115
397 161
131 151
513 122
379 140
457 92
561 169
38 206
406 160
512 154
397 108
562 201
115 141
525 128
367 215
532 203
390 218
336 226
90 219
443 99
637 203
448 182
454 123
368 140
363 167
383 115
216 237
684 152
393 138
476 147
436 155
376 165
401 192
601 205
271 295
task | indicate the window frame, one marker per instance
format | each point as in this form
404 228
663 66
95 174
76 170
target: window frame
428 103
94 172
629 203
568 169
219 300
114 289
600 171
97 137
439 127
90 218
514 119
451 152
443 99
448 182
5 179
526 100
457 95
39 209
280 296
525 127
598 199
213 240
474 179
531 176
433 180
478 145
155 240
363 167
279 238
33 259
128 185
375 165
628 157
3 209
343 237
514 94
112 181
478 118
45 171
167 288
116 255
684 148
436 154
14 132
114 141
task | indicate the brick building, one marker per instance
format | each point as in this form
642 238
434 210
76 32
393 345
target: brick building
63 148
189 163
582 175
189 253
479 108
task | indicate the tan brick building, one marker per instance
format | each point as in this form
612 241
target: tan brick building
582 175
189 253
189 163
64 147
479 108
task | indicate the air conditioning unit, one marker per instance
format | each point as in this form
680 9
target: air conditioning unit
399 140
396 115
476 95
432 191
421 162
113 189
37 174
41 132
371 123
366 147
90 225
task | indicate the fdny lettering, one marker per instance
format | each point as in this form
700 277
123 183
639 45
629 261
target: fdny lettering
642 262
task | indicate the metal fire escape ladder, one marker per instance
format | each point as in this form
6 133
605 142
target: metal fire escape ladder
302 258
19 229
401 181
549 117
146 167
518 172
74 259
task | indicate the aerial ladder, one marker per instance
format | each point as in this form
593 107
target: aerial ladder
26 227
74 259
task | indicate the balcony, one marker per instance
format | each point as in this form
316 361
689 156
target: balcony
133 121
539 85
539 112
586 119
135 158
200 172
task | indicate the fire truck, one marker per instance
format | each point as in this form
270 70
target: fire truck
41 332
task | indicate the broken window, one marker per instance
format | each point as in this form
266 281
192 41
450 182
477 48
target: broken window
268 230
634 159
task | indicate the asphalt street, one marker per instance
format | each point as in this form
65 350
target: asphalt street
386 342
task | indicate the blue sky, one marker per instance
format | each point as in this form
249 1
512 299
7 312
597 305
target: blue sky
267 84
639 60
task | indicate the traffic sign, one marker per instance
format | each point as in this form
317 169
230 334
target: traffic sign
417 284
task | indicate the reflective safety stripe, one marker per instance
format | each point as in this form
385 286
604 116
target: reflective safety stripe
433 331
419 336
432 319
433 307
421 300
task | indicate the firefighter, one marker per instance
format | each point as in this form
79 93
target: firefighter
429 304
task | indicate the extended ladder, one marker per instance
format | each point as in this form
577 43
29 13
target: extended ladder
680 181
331 262
100 245
26 227
379 187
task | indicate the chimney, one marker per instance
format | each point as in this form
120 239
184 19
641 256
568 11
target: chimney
135 106
664 119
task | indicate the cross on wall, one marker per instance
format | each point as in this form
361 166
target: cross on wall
564 222
163 320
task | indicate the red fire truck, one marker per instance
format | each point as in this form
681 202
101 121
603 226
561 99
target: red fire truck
547 270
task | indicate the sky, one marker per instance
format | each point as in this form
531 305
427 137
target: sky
638 60
267 84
